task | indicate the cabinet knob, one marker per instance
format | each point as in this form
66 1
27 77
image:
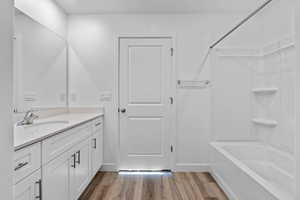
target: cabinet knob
123 110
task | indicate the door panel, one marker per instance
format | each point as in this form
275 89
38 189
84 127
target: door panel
80 175
144 67
145 71
56 178
145 141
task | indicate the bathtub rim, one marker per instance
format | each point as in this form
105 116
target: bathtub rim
247 170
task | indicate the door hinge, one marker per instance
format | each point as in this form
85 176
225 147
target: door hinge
172 51
172 149
171 100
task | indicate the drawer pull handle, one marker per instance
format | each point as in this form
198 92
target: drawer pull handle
78 157
95 143
39 196
21 165
74 161
98 124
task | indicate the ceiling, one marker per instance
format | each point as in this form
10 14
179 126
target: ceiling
156 6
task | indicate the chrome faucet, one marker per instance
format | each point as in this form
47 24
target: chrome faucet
28 118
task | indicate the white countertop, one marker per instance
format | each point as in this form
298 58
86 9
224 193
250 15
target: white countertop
27 135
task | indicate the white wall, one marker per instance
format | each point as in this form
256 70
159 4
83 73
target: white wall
6 135
46 12
92 72
231 96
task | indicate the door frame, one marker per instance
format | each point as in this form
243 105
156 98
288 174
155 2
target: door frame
173 93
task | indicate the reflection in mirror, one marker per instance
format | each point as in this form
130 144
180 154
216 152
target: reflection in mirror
40 66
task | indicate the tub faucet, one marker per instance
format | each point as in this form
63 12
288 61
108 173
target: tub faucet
28 118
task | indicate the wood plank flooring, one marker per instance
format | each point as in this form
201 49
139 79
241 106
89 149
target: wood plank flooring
167 186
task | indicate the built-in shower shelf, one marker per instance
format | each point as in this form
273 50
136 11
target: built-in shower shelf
265 90
265 122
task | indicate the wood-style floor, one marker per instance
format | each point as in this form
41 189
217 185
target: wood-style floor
167 186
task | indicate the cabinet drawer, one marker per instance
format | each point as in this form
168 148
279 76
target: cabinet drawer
26 161
97 124
62 142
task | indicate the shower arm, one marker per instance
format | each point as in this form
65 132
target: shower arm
252 14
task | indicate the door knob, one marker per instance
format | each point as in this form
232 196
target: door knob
123 110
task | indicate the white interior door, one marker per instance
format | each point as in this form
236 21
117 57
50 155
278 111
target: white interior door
145 77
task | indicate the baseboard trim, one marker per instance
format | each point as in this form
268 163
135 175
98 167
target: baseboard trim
109 167
180 167
225 187
192 167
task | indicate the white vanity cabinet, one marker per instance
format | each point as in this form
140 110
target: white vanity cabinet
61 166
67 176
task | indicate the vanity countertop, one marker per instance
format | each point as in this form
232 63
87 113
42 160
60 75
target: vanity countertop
48 127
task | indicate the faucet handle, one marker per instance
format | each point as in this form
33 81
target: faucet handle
28 113
34 116
30 116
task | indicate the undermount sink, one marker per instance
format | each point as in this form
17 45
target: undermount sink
40 128
46 123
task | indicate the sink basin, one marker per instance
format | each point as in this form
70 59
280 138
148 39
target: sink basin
39 129
46 123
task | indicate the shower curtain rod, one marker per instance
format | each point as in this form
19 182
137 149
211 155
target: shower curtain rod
252 14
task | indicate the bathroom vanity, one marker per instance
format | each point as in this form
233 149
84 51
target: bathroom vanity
57 157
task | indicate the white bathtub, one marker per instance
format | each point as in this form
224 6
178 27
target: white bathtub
252 171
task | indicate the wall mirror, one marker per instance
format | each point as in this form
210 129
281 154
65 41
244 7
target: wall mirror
40 66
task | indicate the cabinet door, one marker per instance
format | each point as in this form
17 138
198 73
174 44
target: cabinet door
29 188
56 177
80 175
96 152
